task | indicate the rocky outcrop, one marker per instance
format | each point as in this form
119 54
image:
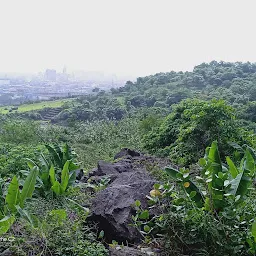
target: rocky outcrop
127 152
112 207
125 251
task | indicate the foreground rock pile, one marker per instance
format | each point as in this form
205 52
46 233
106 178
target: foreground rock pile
112 207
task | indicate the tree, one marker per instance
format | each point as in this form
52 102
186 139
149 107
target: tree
192 126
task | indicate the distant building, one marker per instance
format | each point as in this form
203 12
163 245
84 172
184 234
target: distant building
63 77
50 75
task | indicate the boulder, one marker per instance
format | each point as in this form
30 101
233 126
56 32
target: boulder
127 152
112 207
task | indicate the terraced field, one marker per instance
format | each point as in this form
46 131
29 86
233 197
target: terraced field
35 106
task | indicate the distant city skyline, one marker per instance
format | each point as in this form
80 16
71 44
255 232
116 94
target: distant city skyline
133 38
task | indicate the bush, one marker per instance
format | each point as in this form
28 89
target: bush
190 128
13 157
210 214
62 231
20 132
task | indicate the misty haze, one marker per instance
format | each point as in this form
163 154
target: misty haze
127 128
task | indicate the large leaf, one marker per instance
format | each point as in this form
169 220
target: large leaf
232 168
6 223
214 158
29 186
252 152
249 163
66 154
13 194
43 161
56 188
73 167
65 175
254 230
44 172
32 219
189 186
31 163
240 184
58 151
72 178
54 155
52 174
172 172
236 146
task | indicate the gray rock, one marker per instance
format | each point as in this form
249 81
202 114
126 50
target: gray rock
127 152
105 168
79 174
125 251
112 207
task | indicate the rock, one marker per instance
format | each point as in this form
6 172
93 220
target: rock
112 207
125 251
127 152
105 168
79 174
130 251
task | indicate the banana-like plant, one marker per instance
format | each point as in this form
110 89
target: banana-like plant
219 182
50 180
57 173
60 156
190 188
15 200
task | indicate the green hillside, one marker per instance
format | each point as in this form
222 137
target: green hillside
197 134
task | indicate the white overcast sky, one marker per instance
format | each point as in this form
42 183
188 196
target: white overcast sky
135 37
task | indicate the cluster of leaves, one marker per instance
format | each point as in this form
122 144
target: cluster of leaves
192 125
13 157
14 131
210 214
14 201
62 230
39 230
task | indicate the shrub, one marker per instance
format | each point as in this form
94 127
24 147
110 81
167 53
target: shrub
62 231
190 128
210 214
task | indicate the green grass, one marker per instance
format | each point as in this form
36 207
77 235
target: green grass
35 106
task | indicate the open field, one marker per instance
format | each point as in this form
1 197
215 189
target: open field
35 106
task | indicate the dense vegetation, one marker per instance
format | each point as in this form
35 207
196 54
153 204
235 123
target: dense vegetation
207 206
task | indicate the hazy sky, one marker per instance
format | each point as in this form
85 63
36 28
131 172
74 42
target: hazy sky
124 36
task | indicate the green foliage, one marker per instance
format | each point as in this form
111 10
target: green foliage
15 199
13 157
191 127
19 132
29 186
13 195
63 177
61 231
210 214
102 140
59 156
